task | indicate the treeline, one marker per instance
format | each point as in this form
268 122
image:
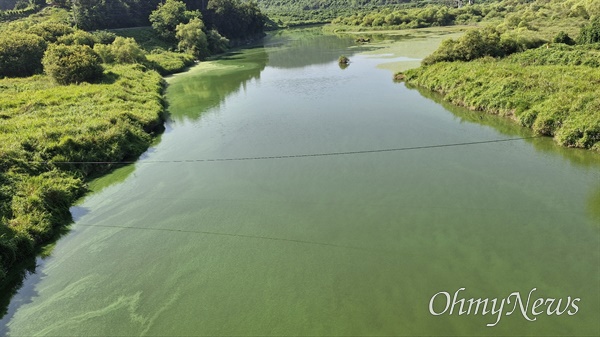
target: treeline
234 19
12 10
513 13
298 12
543 84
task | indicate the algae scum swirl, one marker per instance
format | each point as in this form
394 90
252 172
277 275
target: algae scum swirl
352 244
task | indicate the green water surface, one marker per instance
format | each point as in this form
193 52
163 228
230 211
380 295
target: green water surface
340 245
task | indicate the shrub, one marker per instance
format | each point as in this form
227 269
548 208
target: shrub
563 37
105 53
50 31
191 38
590 33
104 37
168 15
216 42
484 42
78 37
21 54
126 50
72 64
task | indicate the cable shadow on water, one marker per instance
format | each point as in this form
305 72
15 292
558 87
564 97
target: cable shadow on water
244 236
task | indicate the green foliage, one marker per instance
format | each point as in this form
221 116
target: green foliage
72 64
563 37
126 50
95 14
78 37
169 62
105 52
168 16
235 19
216 42
590 33
192 39
477 43
50 31
301 12
146 37
21 54
554 100
559 54
14 14
104 37
419 17
44 121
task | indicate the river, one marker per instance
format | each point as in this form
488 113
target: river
291 196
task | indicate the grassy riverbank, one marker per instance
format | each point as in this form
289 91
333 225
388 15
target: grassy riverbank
551 90
41 121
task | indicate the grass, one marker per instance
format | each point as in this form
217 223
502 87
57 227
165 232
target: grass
558 100
42 122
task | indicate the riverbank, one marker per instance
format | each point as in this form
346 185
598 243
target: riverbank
537 89
52 135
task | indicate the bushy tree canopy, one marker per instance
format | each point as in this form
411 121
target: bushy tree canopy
78 37
50 31
168 15
192 38
235 19
126 50
479 43
21 54
590 33
72 64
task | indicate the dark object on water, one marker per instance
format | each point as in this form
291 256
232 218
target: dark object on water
343 60
363 40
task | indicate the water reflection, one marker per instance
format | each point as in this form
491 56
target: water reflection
576 157
219 79
301 48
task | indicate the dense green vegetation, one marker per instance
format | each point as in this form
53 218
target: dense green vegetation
420 17
69 97
42 121
68 64
551 89
234 19
302 12
477 43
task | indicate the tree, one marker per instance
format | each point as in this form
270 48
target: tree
235 19
78 37
192 38
21 54
590 33
50 31
71 64
216 42
563 37
126 50
168 15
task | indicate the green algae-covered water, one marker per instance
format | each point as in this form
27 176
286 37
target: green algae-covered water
230 226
